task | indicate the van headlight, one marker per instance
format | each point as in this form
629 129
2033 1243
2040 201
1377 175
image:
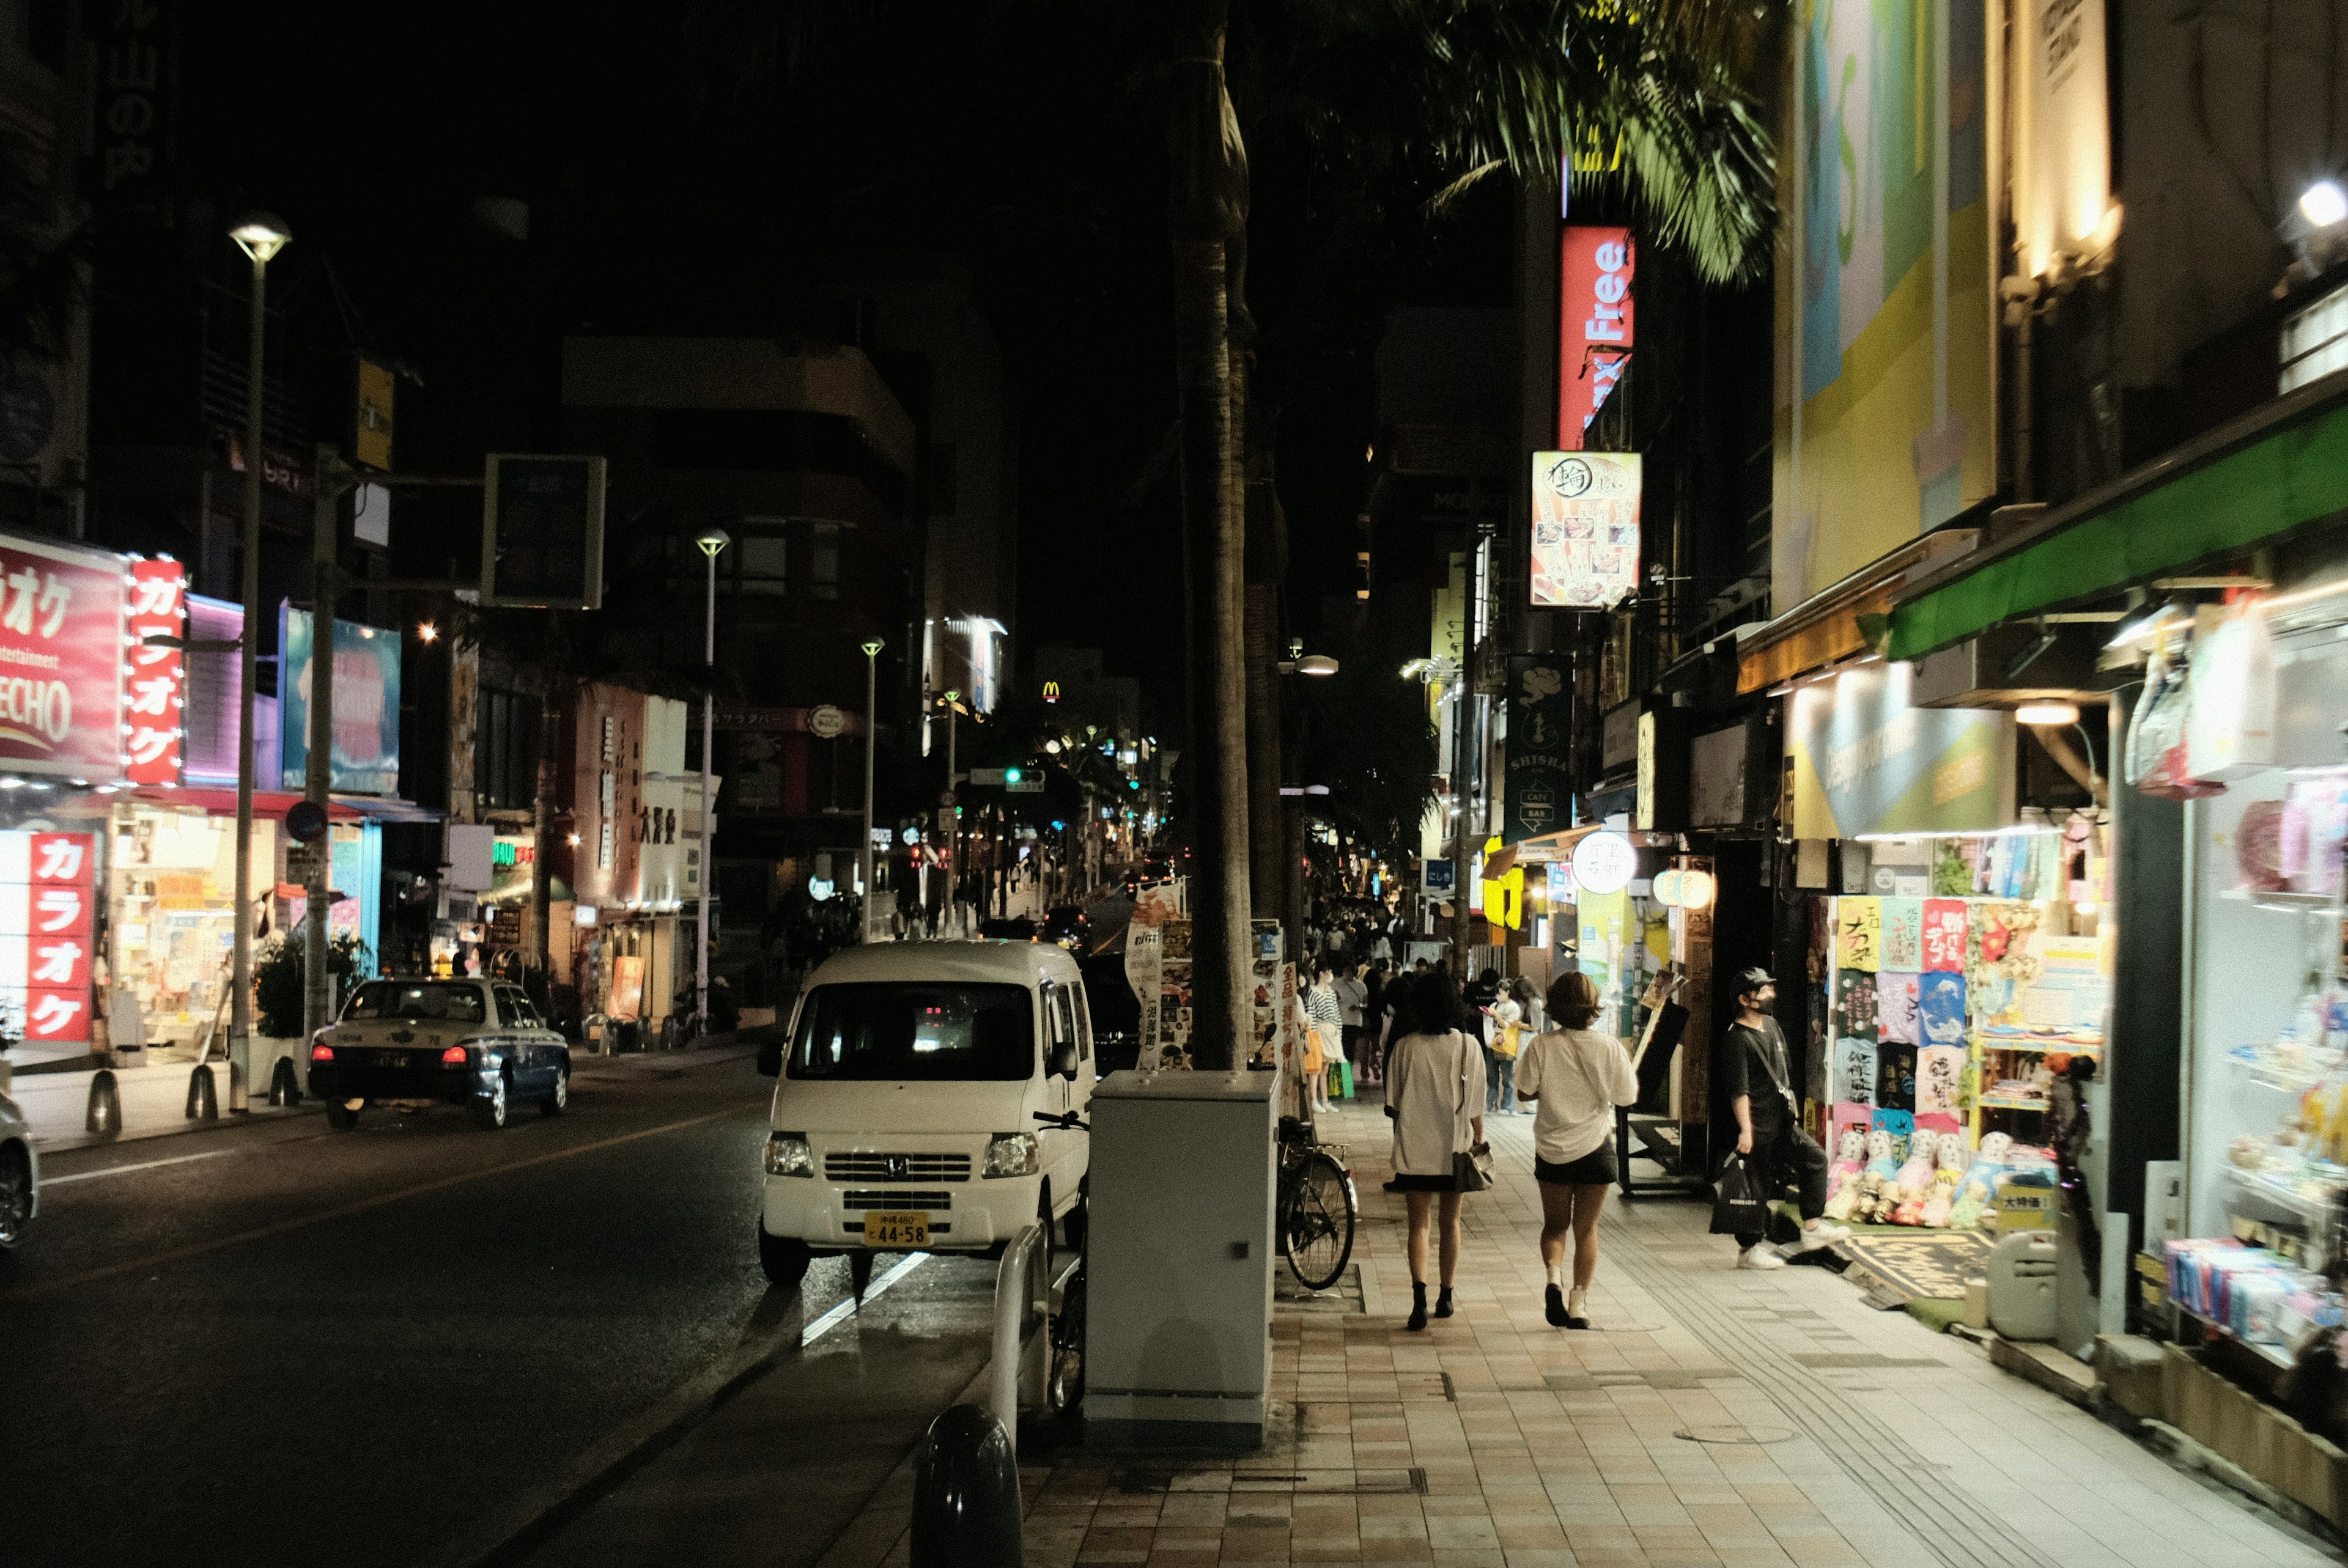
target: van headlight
787 1156
1012 1154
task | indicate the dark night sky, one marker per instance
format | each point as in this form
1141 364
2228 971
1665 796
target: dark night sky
1016 136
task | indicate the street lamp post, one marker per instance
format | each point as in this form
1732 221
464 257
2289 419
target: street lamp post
261 236
713 541
864 850
954 872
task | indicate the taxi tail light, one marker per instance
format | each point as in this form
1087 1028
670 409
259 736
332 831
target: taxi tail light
454 1056
321 1053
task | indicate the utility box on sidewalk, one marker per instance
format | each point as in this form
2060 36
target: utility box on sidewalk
1177 1329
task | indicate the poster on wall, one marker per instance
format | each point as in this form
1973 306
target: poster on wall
1862 759
61 660
1887 317
1585 529
366 758
1144 948
1595 268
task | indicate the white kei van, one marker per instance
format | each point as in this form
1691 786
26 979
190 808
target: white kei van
908 1086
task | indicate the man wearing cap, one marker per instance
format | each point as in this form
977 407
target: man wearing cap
1757 1079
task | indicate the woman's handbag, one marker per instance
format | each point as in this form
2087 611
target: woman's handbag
1471 1169
1739 1209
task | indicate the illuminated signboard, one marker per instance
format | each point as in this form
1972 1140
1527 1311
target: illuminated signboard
1594 325
154 679
1585 529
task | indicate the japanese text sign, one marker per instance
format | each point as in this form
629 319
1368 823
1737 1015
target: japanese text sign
47 908
1585 529
154 679
1944 935
1859 934
60 660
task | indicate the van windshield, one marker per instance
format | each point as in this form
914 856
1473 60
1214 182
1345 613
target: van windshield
902 1031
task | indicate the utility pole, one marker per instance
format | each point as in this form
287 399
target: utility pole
318 778
1463 786
260 236
865 862
712 542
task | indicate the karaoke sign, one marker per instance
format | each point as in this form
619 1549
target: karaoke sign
48 902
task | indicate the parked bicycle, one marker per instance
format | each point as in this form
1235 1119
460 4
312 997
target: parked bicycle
1063 1384
1316 1208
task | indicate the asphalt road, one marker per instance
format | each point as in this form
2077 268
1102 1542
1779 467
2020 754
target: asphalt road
283 1344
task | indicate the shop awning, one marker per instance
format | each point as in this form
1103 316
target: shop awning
1825 627
272 804
2239 486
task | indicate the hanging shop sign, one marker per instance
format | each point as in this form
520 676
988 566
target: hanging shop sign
47 908
1594 325
542 531
1538 793
60 660
1585 529
1604 863
366 701
154 679
1863 760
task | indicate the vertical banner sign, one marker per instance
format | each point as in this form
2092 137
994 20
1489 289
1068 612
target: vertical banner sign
1594 325
154 680
47 906
1585 529
60 661
543 532
1539 790
2063 176
366 706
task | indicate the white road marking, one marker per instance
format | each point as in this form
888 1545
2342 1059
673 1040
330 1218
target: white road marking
141 1165
841 1313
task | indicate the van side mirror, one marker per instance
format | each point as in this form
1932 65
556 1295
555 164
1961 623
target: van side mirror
771 1057
1064 1058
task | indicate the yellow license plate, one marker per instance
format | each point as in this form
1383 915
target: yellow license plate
896 1230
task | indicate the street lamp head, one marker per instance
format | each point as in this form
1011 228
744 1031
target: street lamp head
1316 664
713 540
872 649
954 695
427 632
2323 203
260 235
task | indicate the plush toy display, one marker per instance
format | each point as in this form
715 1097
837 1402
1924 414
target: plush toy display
1842 1176
1944 1201
1880 1160
1978 1190
1876 1197
1915 1178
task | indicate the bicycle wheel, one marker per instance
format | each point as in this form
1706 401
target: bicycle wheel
1065 1387
1320 1223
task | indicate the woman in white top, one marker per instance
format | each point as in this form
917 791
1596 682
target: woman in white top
1435 1092
1576 1077
1320 1005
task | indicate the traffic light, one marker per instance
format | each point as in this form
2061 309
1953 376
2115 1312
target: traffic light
1012 775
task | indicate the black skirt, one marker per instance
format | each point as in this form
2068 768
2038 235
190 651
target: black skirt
1595 1169
1445 1183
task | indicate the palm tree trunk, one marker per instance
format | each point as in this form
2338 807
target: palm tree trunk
1206 207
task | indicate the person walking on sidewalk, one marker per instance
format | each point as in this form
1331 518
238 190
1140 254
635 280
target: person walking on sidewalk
1575 1076
1758 1081
1435 1092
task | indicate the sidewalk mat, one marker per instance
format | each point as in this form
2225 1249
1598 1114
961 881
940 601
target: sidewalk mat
1934 1264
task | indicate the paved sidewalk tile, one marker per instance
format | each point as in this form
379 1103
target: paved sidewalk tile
1684 1428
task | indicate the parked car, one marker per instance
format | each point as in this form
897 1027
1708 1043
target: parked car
408 1043
20 1176
1013 928
908 1087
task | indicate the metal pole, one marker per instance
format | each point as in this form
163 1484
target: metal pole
864 853
956 871
709 815
317 985
240 1027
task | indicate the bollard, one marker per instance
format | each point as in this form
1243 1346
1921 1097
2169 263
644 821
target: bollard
204 1101
284 1088
105 1104
965 1494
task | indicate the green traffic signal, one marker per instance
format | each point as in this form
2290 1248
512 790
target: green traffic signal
1012 775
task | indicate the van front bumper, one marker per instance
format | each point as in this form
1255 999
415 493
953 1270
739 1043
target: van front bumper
829 1216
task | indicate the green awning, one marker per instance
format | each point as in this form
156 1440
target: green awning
2288 469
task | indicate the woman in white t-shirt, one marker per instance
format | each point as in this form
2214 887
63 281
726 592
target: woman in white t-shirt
1435 1093
1576 1077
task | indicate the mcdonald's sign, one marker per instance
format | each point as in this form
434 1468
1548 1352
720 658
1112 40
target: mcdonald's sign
1051 690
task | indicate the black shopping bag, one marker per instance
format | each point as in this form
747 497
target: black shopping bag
1739 1209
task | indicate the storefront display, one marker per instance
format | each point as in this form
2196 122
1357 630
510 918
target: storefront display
1953 998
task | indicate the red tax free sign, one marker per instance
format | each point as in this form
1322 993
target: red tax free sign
154 680
1594 325
60 661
